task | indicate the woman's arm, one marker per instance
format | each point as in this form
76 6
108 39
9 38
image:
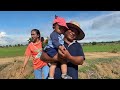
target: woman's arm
25 63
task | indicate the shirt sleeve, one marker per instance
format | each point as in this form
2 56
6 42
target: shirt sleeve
55 40
28 51
80 49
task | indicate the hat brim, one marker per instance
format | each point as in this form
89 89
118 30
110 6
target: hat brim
81 34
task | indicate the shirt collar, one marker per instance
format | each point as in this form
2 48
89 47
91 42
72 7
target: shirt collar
70 43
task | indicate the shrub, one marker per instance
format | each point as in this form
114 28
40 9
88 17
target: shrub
114 50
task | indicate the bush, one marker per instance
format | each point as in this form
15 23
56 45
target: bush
114 50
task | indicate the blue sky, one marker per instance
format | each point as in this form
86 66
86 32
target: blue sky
97 25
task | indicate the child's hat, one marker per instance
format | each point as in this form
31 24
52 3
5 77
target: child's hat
61 21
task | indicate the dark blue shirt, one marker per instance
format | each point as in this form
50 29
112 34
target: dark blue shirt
74 49
55 40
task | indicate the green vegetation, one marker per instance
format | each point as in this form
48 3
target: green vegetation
111 47
12 51
98 47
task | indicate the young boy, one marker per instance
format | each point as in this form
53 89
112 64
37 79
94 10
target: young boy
56 42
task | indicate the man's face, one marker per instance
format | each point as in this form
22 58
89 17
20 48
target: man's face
70 35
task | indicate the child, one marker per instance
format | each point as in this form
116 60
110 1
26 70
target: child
56 42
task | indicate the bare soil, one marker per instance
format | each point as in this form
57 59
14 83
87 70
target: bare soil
10 67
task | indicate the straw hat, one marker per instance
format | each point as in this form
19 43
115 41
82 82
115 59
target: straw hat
75 25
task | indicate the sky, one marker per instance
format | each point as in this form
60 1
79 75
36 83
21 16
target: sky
16 26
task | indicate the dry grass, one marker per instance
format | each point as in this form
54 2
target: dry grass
11 69
104 68
98 65
95 55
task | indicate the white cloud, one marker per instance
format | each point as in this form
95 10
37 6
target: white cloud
107 21
2 34
102 28
6 39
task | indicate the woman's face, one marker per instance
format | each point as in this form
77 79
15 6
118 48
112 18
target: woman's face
70 35
34 36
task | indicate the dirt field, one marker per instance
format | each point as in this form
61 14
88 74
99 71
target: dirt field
10 67
94 55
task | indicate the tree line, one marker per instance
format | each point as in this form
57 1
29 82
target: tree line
45 41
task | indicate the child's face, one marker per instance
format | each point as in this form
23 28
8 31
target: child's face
60 29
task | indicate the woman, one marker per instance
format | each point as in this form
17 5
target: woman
40 67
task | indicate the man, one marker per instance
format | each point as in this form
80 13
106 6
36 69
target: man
73 55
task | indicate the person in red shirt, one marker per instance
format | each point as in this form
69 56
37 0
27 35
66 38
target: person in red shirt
41 68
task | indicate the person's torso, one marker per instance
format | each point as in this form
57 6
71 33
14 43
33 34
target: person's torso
50 42
72 69
35 49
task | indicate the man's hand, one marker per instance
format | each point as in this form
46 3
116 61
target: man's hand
64 54
61 47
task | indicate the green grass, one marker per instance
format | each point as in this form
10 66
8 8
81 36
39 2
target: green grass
102 48
12 51
19 51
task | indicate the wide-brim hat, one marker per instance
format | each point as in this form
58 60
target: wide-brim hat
74 25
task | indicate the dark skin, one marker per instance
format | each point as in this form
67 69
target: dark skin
64 54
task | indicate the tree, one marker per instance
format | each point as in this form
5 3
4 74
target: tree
6 45
18 45
94 43
10 45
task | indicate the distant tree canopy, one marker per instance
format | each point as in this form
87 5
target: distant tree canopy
94 43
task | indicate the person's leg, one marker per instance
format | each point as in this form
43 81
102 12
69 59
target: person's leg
64 71
58 72
52 71
73 71
45 71
64 68
38 73
53 66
